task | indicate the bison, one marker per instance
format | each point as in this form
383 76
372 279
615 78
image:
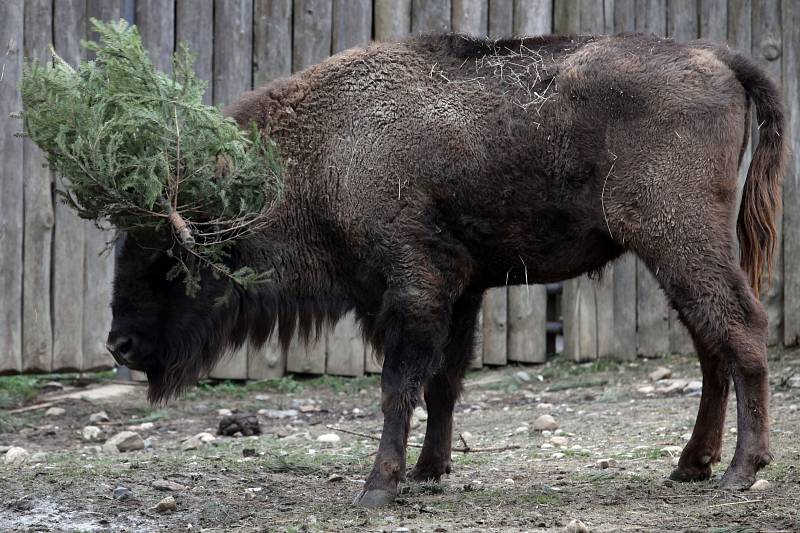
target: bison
421 173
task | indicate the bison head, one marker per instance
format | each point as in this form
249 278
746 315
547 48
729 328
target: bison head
157 328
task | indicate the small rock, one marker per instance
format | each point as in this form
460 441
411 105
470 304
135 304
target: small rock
249 452
576 526
647 389
672 386
92 433
686 437
420 413
39 457
55 411
165 484
278 414
558 455
334 478
51 386
16 456
670 451
521 429
124 441
558 442
546 433
522 376
761 484
693 387
606 463
99 418
331 438
660 373
545 422
544 406
224 412
4 449
508 481
546 446
167 505
244 423
122 493
197 441
794 382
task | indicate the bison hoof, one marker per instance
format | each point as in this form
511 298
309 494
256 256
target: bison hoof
690 474
423 474
736 481
372 498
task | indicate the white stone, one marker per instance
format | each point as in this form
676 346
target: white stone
558 455
39 457
330 438
544 406
420 413
671 451
99 417
124 441
523 376
508 481
521 429
167 505
647 389
547 433
92 433
558 442
16 456
693 387
224 412
546 446
545 422
55 411
671 386
759 485
660 373
576 526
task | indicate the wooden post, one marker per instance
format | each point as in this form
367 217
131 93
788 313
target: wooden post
194 25
430 15
471 16
37 334
392 19
11 187
767 52
156 22
533 17
791 187
233 53
501 18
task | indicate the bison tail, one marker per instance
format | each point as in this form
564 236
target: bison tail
761 198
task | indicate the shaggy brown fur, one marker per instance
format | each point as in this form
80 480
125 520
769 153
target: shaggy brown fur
424 172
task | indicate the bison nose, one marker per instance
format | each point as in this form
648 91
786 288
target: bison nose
121 347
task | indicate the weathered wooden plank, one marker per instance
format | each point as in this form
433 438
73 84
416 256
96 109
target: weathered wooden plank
495 326
345 350
233 52
37 334
682 26
580 319
767 50
352 24
373 361
471 16
593 17
527 324
791 184
272 40
624 15
194 25
98 264
714 20
501 18
312 32
156 22
69 230
682 20
477 356
533 17
11 187
566 16
269 361
651 17
392 19
430 15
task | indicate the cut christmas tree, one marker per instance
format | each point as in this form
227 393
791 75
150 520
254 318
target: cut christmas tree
139 149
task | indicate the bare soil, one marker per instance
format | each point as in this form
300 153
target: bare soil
283 481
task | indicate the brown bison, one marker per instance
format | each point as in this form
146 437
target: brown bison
421 173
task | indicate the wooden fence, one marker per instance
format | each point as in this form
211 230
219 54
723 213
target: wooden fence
55 287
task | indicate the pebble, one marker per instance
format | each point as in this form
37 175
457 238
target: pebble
55 411
558 455
333 478
545 422
92 433
761 484
660 373
676 385
419 412
558 442
522 376
670 451
794 382
197 441
544 406
576 526
16 456
167 505
122 493
546 446
647 389
39 457
278 414
606 463
51 386
693 387
508 481
99 417
331 438
165 484
521 429
224 412
124 441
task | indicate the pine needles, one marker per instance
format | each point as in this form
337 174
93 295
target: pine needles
139 149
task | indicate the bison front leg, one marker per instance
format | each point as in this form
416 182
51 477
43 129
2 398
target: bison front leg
413 341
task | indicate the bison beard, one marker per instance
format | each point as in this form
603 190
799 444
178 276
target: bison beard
419 174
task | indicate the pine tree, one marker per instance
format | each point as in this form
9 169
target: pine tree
139 149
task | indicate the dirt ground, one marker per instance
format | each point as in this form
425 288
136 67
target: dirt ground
287 480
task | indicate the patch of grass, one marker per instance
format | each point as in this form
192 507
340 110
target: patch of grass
284 385
17 390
